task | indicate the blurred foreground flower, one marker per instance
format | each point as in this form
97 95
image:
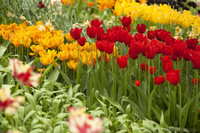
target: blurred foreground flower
24 73
41 5
80 122
14 131
8 104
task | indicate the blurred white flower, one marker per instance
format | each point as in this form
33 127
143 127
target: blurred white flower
41 28
14 131
9 104
24 73
22 18
81 122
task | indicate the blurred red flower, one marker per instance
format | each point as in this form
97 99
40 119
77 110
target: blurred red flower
141 28
41 5
144 66
152 69
126 21
173 76
159 80
75 33
137 83
195 81
122 61
82 41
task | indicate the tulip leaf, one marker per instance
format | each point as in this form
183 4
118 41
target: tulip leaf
3 47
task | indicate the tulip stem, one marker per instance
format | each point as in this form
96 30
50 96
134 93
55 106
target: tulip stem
149 88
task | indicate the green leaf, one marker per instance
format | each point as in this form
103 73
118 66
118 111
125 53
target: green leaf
3 47
31 100
34 61
47 70
65 77
28 116
1 80
114 103
136 109
54 74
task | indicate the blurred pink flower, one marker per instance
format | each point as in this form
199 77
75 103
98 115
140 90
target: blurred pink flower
24 73
80 122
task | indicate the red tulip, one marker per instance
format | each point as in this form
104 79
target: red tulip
109 46
144 66
167 64
173 76
141 38
82 41
179 47
150 51
75 33
159 80
91 31
137 46
96 23
137 83
132 53
169 40
196 61
151 34
100 45
141 28
161 34
122 61
126 21
187 55
152 70
191 43
195 81
41 5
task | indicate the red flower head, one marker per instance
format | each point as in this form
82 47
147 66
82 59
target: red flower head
173 76
195 81
187 55
109 46
179 47
100 45
161 34
137 83
132 53
196 61
191 43
126 21
166 63
151 34
96 23
75 33
137 46
122 61
141 38
169 40
159 80
141 28
150 51
111 36
152 70
91 31
82 41
144 66
41 5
